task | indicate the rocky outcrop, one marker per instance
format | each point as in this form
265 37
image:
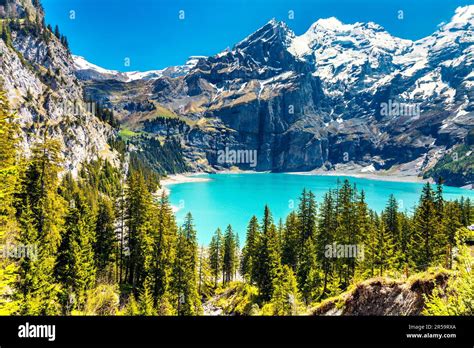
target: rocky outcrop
37 72
381 296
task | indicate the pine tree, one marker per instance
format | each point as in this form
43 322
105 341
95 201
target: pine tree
363 213
450 225
40 210
268 260
439 200
391 218
384 257
206 281
285 298
238 256
75 264
251 251
307 217
122 214
65 42
56 31
40 186
9 176
469 212
105 240
165 234
326 229
230 258
346 231
138 216
466 211
303 218
216 252
309 279
290 242
428 239
369 264
406 246
185 282
145 299
307 255
32 284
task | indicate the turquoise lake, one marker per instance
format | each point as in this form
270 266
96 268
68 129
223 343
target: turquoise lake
234 198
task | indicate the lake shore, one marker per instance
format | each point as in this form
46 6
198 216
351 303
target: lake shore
182 178
381 176
398 176
175 179
390 176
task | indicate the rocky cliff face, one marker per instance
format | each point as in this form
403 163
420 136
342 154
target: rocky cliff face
340 93
384 297
37 72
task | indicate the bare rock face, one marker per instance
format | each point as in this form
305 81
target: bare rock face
338 93
383 297
37 72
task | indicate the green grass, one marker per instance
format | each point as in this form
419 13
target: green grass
126 133
237 298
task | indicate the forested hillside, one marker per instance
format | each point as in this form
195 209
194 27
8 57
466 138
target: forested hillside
101 243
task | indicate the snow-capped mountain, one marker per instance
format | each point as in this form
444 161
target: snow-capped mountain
350 55
88 71
337 94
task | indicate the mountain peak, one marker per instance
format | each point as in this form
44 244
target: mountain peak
273 30
464 15
274 23
331 23
335 25
80 63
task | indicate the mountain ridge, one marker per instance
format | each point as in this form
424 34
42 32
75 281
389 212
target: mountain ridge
339 94
316 107
316 100
86 70
463 16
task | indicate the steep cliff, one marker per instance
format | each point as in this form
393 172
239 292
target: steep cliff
37 72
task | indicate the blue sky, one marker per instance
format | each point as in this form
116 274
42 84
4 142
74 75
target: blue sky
151 34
